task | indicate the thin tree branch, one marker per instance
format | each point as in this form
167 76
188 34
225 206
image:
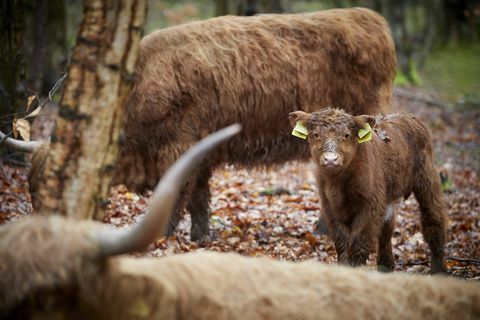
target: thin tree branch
423 262
464 260
56 85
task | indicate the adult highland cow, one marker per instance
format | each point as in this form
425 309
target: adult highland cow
196 78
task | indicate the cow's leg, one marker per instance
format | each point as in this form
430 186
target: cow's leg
321 227
433 213
182 201
199 205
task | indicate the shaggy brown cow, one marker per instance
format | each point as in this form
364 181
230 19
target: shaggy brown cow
196 78
358 180
56 268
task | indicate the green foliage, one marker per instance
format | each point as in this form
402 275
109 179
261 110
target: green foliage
401 79
162 14
454 73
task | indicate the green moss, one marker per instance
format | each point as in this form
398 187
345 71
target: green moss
453 72
401 79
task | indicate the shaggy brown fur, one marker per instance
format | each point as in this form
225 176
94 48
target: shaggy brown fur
198 77
50 270
357 181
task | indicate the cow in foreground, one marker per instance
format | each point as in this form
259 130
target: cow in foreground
196 78
58 268
360 171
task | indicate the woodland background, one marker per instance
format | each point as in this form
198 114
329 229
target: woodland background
273 211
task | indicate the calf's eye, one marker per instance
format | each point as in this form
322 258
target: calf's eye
347 135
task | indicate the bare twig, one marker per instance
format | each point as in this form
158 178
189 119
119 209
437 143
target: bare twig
49 99
464 260
50 93
423 262
56 85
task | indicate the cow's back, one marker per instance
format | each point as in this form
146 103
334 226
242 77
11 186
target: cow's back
196 78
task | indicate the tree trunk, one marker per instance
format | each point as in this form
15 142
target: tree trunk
45 43
222 8
39 44
83 151
12 62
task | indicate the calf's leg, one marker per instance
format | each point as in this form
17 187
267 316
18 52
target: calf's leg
338 233
352 250
182 201
365 228
341 246
360 247
433 214
385 260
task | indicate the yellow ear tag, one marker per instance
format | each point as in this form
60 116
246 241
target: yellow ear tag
365 134
300 131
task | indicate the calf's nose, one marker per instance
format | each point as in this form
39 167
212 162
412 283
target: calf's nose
330 158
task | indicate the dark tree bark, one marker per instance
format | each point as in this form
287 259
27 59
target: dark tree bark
83 151
253 7
12 62
40 43
247 8
460 20
45 43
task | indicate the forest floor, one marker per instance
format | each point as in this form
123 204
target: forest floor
272 212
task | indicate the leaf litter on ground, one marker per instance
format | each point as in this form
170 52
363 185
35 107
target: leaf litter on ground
272 212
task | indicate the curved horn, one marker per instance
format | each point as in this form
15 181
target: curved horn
20 145
119 241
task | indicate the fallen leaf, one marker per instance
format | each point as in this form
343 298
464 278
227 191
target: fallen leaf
21 127
30 101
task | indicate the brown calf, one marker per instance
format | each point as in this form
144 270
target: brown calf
357 181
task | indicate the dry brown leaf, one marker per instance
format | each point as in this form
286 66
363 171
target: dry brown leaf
21 127
34 113
281 226
30 101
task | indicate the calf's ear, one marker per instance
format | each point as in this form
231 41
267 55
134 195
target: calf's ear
360 121
301 116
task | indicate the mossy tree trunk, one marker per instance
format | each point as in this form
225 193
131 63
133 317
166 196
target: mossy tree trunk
78 169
